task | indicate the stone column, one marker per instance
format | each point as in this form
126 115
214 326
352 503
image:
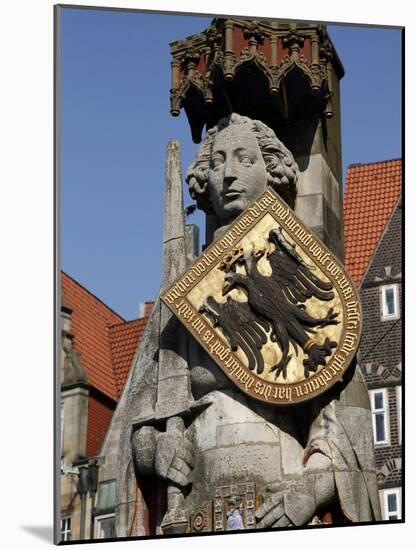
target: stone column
74 394
316 146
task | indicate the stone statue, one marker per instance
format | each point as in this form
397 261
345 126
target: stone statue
196 431
237 160
234 516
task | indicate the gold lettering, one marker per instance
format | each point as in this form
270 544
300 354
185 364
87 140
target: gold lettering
283 393
182 287
267 392
303 236
353 314
279 210
198 325
185 310
246 379
322 380
216 251
236 370
333 268
207 337
325 258
299 391
326 375
347 292
172 295
337 363
253 210
349 343
219 349
311 386
267 201
291 223
343 282
231 362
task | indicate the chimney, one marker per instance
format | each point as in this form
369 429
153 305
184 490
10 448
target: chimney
145 308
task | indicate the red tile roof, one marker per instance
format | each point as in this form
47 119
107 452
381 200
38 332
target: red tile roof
100 413
107 344
91 320
371 193
124 341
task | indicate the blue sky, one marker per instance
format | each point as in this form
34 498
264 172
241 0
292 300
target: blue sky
115 126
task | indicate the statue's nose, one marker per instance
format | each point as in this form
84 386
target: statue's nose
230 172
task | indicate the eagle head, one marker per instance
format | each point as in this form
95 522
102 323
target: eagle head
275 235
231 280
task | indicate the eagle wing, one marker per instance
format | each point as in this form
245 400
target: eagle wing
241 326
293 275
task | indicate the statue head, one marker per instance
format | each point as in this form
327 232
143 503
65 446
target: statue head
238 158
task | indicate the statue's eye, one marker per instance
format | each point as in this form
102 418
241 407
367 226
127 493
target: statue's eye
217 160
246 161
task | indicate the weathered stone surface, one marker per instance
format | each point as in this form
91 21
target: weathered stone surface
75 404
312 455
319 202
238 179
162 353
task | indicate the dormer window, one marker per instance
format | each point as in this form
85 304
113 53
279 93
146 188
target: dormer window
390 302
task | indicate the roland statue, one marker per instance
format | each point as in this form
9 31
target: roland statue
309 463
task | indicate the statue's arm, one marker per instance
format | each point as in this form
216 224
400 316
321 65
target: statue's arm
168 455
294 502
144 445
319 467
341 441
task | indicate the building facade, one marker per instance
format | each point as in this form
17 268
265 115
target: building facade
373 231
98 346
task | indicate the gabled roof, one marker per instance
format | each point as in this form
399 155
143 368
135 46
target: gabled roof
372 191
124 341
107 343
91 320
385 264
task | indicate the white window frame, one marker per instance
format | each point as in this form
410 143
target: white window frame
384 411
386 512
64 528
383 305
399 411
97 525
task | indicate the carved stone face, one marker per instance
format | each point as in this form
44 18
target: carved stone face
237 173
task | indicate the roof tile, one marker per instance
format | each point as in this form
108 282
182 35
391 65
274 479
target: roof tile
372 191
125 339
107 344
91 320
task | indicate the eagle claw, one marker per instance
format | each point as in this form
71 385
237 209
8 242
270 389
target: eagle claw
316 356
281 367
330 318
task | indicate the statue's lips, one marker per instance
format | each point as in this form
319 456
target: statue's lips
232 194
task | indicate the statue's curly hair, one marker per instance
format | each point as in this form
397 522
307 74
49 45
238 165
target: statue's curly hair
279 162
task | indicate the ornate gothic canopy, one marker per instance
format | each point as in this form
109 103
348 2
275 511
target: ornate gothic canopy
274 72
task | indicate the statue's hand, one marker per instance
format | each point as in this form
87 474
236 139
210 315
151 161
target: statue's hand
174 458
285 507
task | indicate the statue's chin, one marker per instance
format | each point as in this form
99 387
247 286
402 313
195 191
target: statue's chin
231 210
